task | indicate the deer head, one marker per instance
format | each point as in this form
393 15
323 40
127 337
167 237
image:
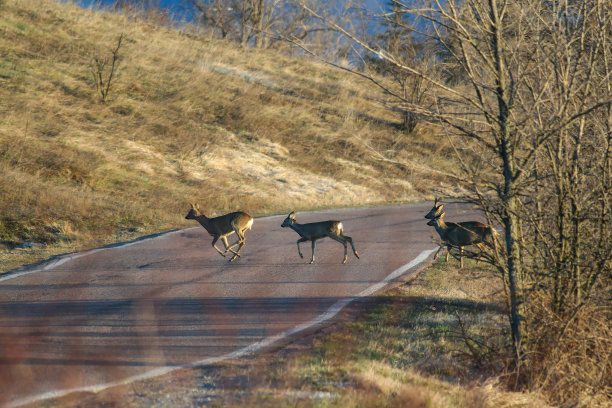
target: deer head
193 212
289 220
436 210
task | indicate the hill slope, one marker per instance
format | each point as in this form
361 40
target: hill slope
187 118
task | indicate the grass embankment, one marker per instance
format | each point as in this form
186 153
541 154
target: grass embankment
187 118
433 343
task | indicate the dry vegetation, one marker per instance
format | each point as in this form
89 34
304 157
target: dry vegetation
187 118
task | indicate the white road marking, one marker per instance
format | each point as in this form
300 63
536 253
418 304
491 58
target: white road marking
245 351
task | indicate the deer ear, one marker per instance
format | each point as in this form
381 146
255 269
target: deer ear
197 207
292 215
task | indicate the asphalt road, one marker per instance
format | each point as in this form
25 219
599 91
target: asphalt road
102 317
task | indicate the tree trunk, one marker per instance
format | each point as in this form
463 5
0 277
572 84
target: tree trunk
509 195
258 23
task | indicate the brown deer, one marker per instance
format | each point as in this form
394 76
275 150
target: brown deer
459 234
317 230
223 226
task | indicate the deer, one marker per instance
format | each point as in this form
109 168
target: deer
316 230
223 226
459 234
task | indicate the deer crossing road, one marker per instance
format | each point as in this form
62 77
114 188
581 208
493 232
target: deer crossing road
91 320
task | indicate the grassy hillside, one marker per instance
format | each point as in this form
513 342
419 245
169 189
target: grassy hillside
187 119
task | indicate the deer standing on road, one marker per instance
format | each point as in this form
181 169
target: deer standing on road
317 230
459 234
223 226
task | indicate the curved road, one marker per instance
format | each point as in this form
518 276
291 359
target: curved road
94 319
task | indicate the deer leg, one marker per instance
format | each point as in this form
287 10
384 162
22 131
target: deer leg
350 241
314 244
298 245
237 253
437 252
224 240
241 243
481 249
341 239
215 239
229 248
239 234
461 257
448 248
237 242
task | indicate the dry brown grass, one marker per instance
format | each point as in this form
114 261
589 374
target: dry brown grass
187 119
575 369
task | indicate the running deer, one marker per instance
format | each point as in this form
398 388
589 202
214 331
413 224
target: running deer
459 234
222 227
317 230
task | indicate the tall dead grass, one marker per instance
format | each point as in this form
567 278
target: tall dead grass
574 369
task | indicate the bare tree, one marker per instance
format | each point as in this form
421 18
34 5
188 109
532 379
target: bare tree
524 87
248 22
266 23
397 37
103 69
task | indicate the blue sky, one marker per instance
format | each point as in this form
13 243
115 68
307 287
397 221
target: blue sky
178 6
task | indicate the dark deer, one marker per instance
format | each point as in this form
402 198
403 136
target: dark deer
459 234
317 230
223 226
